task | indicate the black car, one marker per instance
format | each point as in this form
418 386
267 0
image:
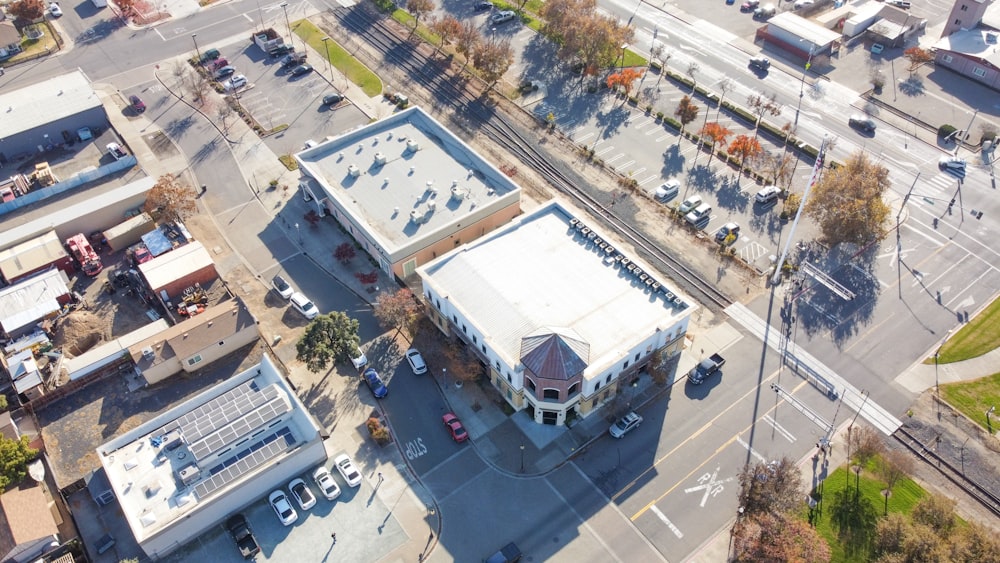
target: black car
482 6
302 70
331 99
762 63
293 59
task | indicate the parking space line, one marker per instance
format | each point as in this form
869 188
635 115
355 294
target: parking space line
604 150
644 123
653 131
616 157
752 451
618 168
653 177
638 171
585 137
668 135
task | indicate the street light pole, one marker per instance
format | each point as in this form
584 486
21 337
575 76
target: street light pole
522 458
444 378
802 84
194 37
298 232
329 65
284 8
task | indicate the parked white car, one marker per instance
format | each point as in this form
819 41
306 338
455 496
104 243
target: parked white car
348 470
283 508
326 483
303 305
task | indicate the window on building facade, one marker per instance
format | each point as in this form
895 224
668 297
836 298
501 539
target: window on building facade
626 365
979 72
947 58
475 340
529 383
465 330
597 387
964 8
573 389
551 394
509 380
497 362
607 379
637 356
454 319
194 360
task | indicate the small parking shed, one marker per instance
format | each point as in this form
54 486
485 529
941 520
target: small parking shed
800 36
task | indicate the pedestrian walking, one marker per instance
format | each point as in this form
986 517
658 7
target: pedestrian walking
334 536
380 476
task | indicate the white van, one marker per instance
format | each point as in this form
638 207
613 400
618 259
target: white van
767 194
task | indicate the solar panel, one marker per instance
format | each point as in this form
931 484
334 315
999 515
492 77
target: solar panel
263 450
226 434
223 409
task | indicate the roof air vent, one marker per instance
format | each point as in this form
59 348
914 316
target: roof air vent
431 206
412 145
457 193
354 171
380 159
148 353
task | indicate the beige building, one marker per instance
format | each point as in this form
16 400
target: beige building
407 189
195 342
562 318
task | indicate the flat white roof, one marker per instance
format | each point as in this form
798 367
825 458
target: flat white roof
31 254
407 177
45 102
973 42
176 264
31 299
188 456
541 271
803 28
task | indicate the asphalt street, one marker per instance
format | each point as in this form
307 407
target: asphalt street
663 489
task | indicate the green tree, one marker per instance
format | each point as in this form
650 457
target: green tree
847 202
332 337
396 310
974 543
14 458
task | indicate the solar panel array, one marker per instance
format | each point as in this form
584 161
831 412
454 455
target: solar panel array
246 460
224 409
229 434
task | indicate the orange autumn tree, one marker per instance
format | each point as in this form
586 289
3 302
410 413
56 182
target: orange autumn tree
744 147
716 133
625 79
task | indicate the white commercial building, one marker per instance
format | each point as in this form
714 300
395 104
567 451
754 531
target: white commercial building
407 189
561 317
191 467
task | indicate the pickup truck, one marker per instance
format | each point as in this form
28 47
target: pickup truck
705 368
240 530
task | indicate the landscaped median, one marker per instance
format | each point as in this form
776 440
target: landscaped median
339 58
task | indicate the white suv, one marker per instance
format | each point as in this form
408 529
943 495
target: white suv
625 424
302 304
699 214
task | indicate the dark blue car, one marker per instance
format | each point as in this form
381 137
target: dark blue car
375 383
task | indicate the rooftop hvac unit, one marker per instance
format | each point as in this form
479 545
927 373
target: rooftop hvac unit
457 193
416 217
148 354
380 159
412 145
431 206
189 473
172 440
354 171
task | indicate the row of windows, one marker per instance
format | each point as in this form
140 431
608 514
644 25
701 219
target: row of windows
980 72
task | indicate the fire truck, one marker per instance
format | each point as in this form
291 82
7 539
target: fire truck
84 254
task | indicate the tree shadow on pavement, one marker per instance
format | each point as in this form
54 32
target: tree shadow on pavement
912 86
673 160
730 195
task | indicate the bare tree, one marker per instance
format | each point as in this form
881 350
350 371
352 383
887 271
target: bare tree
224 111
692 70
771 487
762 104
893 465
419 9
170 199
493 58
466 40
866 444
446 28
397 310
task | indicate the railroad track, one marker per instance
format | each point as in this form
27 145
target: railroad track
450 90
985 497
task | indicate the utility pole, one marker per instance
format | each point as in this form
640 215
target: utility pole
817 170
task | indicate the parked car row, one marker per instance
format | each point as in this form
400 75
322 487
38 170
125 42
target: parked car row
299 489
297 299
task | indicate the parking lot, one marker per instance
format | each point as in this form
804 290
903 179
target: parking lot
275 97
365 527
